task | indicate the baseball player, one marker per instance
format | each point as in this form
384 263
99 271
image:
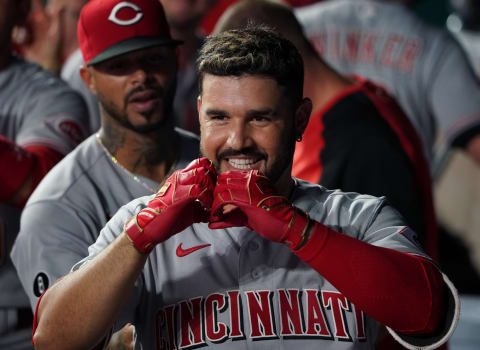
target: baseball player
41 120
234 253
49 39
131 68
422 66
358 139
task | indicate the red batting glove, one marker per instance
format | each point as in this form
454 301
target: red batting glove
185 198
257 206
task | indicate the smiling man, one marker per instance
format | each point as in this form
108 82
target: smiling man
130 64
234 253
261 136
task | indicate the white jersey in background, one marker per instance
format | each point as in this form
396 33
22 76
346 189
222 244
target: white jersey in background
422 66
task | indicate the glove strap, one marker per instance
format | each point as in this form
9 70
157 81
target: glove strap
297 229
137 236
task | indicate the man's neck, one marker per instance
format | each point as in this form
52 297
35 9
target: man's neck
322 83
150 155
285 185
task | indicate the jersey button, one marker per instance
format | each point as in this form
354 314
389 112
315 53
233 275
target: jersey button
255 273
253 245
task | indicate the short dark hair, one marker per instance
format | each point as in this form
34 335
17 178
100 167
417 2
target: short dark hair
254 50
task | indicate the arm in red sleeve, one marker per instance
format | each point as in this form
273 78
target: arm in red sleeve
402 291
22 169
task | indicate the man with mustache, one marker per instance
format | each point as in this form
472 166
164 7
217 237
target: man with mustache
130 64
234 253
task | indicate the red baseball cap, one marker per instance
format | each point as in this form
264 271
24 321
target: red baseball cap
109 28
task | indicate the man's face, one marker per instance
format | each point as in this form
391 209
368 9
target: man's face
185 13
137 89
247 123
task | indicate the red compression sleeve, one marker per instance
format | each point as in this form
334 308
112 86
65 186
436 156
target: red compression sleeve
16 166
399 290
19 163
46 158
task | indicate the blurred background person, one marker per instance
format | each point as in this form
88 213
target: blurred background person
49 38
184 18
385 41
41 120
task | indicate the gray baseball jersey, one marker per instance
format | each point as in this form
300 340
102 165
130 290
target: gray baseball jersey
232 289
65 214
36 109
422 66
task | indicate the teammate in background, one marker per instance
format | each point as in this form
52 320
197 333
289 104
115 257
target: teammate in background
49 34
41 120
385 42
49 39
211 18
358 139
236 253
131 67
184 17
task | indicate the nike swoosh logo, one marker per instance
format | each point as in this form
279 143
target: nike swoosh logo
184 252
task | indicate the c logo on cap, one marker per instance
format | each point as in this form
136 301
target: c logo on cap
121 5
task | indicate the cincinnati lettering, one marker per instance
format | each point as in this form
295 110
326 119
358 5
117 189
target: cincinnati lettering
219 317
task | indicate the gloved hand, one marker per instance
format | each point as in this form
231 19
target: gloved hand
247 198
185 198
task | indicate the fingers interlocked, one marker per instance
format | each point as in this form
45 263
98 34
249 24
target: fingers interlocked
234 198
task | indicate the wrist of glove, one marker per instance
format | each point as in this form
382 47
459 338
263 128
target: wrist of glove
187 194
248 199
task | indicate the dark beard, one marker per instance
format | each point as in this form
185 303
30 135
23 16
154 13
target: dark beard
274 173
121 116
285 158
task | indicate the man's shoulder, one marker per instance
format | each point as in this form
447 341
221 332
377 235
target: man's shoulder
73 174
344 211
359 11
30 93
317 195
31 75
